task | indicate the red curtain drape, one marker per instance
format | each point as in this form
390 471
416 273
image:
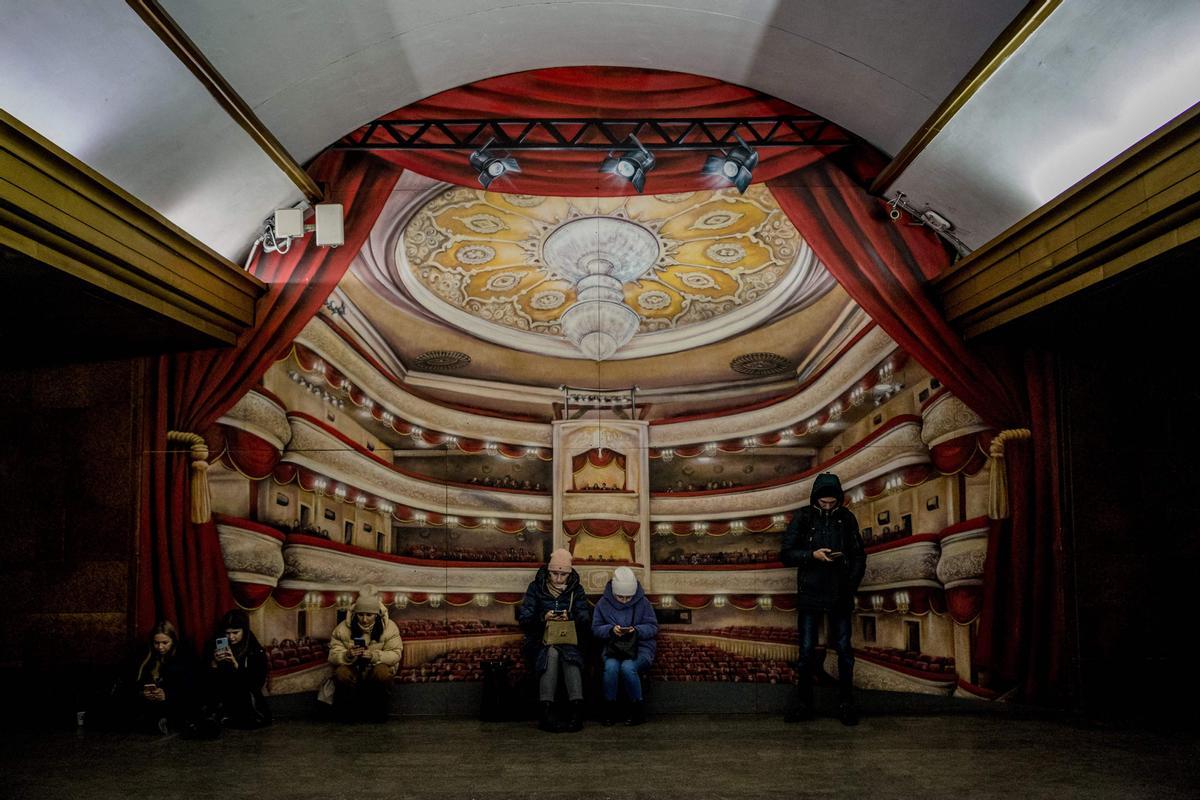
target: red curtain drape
597 458
181 573
610 93
885 267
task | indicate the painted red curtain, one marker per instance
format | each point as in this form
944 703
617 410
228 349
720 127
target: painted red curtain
181 573
610 93
597 458
885 267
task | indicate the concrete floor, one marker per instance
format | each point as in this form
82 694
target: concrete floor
696 757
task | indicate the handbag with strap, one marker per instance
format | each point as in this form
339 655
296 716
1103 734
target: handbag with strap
560 631
622 648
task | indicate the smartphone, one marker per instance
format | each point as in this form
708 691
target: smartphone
222 642
834 554
148 687
360 641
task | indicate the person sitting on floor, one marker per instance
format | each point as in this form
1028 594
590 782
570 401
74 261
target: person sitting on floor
554 615
236 674
160 697
625 622
365 651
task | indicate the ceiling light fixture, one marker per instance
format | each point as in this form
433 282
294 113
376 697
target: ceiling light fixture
491 166
632 165
736 166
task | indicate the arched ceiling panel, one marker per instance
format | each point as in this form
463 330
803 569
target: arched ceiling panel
1095 78
314 70
97 82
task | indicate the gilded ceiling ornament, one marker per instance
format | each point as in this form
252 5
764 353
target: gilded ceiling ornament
759 364
603 272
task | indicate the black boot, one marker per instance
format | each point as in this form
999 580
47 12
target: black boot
637 713
802 710
610 713
546 718
575 723
847 712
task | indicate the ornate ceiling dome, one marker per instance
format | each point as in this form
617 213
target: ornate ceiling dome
598 278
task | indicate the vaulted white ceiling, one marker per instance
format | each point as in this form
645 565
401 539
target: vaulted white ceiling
1095 77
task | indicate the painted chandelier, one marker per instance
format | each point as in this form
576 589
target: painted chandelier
603 278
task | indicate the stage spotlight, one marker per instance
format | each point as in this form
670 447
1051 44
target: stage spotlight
632 165
492 165
736 166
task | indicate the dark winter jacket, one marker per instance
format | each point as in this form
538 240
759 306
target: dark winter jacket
174 675
240 687
637 613
821 585
532 618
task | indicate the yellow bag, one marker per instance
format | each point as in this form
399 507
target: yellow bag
560 631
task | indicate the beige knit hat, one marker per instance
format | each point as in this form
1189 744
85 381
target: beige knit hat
368 601
560 558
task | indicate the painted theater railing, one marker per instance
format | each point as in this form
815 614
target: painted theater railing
893 446
319 564
318 447
377 383
870 348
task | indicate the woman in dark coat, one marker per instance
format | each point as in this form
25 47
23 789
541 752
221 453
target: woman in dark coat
236 673
159 696
625 622
556 596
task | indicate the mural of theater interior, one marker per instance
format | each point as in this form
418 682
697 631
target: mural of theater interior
635 321
750 372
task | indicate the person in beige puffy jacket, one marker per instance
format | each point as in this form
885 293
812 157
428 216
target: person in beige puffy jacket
364 650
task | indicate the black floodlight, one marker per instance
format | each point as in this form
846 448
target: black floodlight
736 166
492 165
632 165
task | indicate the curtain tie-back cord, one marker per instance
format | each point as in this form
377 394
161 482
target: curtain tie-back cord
998 478
201 510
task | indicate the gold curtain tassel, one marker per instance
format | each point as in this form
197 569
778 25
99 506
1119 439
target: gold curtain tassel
201 507
998 478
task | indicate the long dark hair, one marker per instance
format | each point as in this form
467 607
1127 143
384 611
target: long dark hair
376 634
236 618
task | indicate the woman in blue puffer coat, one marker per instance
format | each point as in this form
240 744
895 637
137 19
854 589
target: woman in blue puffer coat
624 622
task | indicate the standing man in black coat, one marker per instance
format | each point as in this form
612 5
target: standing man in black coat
824 545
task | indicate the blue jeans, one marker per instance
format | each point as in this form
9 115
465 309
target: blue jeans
809 621
627 672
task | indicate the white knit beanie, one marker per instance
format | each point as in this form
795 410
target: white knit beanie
624 582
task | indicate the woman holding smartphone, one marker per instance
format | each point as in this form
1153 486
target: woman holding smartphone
625 622
237 673
160 697
554 615
365 650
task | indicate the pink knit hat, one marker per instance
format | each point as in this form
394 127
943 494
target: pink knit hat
560 558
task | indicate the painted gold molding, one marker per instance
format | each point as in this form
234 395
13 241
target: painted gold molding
1007 43
60 212
168 30
1139 206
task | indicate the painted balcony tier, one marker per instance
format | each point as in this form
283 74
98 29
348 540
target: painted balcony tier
894 445
322 449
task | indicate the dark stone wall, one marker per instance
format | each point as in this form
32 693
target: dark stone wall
69 464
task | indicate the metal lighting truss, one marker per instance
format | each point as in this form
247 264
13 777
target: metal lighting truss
583 134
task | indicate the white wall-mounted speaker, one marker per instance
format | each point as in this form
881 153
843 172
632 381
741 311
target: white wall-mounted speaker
289 223
329 225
